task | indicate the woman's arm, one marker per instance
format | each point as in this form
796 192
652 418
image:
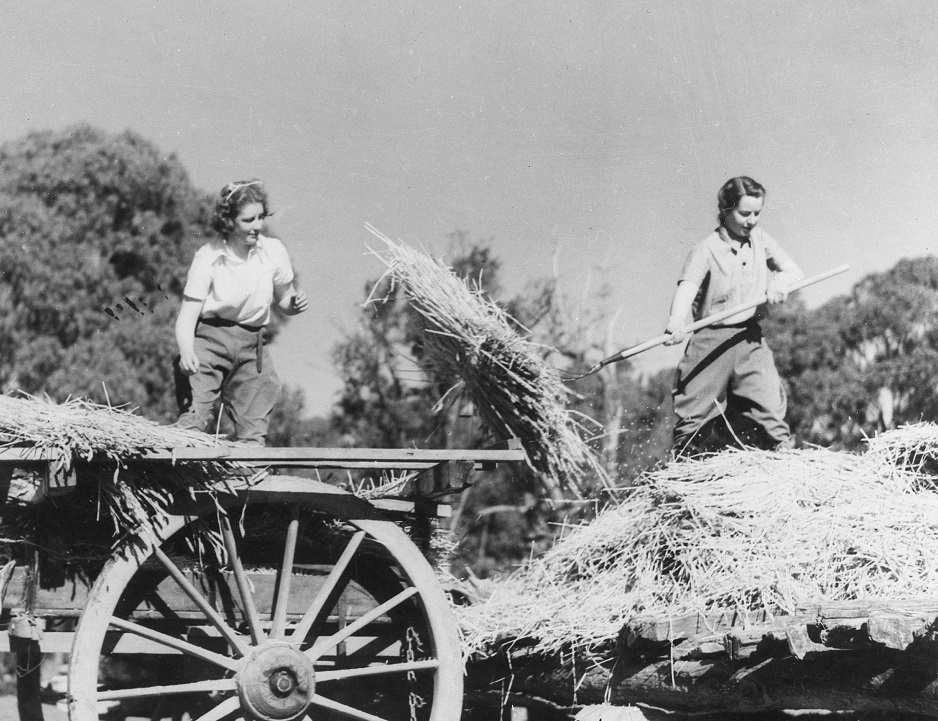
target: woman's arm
785 272
185 334
680 309
290 300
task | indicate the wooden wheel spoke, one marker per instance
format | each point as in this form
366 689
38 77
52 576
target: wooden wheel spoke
383 585
216 685
185 647
241 579
234 640
341 674
225 708
341 708
332 581
279 622
324 644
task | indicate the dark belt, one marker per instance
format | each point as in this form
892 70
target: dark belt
259 329
750 324
750 330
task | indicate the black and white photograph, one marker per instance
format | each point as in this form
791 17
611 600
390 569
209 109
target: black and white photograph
569 360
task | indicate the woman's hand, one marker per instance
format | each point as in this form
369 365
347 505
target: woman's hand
186 322
676 333
290 300
680 310
189 362
298 302
778 289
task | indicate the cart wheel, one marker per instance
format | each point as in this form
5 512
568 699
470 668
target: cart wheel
302 617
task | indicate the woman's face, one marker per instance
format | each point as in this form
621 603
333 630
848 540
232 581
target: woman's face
744 217
249 222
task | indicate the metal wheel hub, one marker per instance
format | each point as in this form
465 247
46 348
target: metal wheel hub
276 683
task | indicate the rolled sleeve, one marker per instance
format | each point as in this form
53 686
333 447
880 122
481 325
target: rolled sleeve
280 259
779 261
199 278
696 265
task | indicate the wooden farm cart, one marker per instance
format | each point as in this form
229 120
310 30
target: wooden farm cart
275 597
873 657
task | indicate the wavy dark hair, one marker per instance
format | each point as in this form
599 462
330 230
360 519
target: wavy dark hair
734 190
232 198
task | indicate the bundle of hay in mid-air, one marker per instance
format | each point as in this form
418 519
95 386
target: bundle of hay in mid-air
514 391
739 531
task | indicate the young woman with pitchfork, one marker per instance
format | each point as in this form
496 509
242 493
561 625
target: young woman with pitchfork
728 372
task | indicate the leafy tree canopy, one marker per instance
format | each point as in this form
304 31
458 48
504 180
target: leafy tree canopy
98 231
864 362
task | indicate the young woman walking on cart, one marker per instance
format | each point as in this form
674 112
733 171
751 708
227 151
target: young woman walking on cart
220 330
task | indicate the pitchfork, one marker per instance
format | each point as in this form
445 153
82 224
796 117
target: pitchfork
703 323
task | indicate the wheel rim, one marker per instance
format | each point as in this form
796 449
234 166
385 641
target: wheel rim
257 667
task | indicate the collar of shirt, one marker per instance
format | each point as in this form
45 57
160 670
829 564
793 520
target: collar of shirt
734 243
223 251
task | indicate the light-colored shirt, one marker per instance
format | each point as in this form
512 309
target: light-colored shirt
234 289
729 273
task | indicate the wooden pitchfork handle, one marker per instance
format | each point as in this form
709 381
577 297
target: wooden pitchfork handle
704 322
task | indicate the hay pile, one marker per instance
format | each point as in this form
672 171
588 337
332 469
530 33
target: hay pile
514 391
742 530
80 429
76 432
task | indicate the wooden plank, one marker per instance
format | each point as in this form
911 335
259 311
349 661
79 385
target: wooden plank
121 642
342 458
66 600
6 477
308 457
355 465
899 631
303 588
799 642
51 641
657 628
70 599
872 607
324 497
445 478
27 456
396 505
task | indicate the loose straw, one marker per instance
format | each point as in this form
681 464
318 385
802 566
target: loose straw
743 532
132 495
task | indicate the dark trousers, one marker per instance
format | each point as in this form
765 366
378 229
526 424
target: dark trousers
229 370
730 372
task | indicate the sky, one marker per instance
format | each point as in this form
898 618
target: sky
584 138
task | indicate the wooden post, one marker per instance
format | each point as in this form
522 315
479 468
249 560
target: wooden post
25 632
444 478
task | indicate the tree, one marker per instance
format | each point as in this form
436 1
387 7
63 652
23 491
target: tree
864 362
97 233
